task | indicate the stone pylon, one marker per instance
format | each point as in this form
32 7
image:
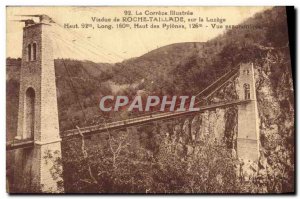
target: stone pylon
38 169
248 126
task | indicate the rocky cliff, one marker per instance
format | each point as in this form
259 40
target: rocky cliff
274 172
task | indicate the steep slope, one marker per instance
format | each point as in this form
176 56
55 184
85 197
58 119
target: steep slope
193 66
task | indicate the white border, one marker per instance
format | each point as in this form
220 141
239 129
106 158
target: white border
5 3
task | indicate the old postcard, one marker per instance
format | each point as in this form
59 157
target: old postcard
150 100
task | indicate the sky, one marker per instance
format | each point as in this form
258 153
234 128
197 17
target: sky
100 45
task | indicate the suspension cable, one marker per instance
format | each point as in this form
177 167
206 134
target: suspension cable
72 85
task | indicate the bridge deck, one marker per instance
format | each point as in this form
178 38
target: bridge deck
148 118
125 123
16 144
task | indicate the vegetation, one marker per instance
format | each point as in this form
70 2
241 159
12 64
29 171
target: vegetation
122 162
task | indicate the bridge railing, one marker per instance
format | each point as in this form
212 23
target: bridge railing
16 144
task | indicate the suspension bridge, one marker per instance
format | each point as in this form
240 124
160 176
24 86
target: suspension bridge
139 120
38 127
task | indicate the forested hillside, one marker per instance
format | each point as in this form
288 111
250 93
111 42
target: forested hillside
193 68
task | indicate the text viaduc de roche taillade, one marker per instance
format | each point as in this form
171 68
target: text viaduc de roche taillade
157 16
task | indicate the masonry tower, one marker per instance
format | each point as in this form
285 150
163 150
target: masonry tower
36 168
248 127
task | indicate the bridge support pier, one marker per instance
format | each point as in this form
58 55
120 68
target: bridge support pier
248 126
38 169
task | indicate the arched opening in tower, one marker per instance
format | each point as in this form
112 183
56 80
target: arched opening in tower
29 113
29 52
34 51
247 91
